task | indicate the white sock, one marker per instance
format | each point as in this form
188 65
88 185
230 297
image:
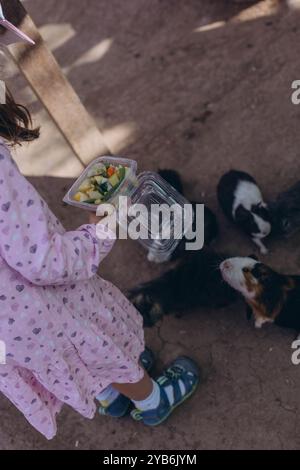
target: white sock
107 396
153 400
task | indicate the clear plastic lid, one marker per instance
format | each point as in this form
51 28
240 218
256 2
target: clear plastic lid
163 228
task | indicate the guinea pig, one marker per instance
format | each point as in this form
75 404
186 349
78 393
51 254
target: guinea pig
242 202
173 178
195 282
285 212
271 297
211 228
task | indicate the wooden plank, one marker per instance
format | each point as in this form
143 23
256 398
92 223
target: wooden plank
48 82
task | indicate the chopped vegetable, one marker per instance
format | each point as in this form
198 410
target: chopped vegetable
98 169
121 173
114 180
110 171
80 197
94 194
103 188
90 201
99 179
101 183
85 185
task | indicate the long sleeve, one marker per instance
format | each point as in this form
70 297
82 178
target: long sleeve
32 240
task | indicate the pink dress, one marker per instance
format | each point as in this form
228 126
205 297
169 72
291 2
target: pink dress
68 333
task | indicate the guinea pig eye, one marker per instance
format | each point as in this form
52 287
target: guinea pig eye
246 270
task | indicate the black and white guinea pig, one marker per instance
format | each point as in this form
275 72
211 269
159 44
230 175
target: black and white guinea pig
285 212
211 228
271 297
242 202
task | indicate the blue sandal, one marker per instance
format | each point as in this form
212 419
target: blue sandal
121 405
183 370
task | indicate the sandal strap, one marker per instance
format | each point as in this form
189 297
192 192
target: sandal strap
171 378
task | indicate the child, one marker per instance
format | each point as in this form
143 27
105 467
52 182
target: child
70 336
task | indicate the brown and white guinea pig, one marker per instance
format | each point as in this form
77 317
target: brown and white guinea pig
242 202
271 297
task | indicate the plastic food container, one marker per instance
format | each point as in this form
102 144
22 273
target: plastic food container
147 188
123 189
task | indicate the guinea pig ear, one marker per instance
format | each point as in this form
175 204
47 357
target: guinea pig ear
241 213
253 257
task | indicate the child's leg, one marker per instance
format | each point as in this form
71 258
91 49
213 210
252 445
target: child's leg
117 399
113 403
136 391
177 383
155 400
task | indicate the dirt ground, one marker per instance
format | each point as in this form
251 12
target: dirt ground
201 86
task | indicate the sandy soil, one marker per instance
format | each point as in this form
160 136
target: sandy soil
202 86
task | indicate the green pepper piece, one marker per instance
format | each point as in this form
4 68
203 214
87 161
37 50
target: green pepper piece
121 173
90 201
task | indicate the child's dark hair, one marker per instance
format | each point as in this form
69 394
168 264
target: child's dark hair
16 122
